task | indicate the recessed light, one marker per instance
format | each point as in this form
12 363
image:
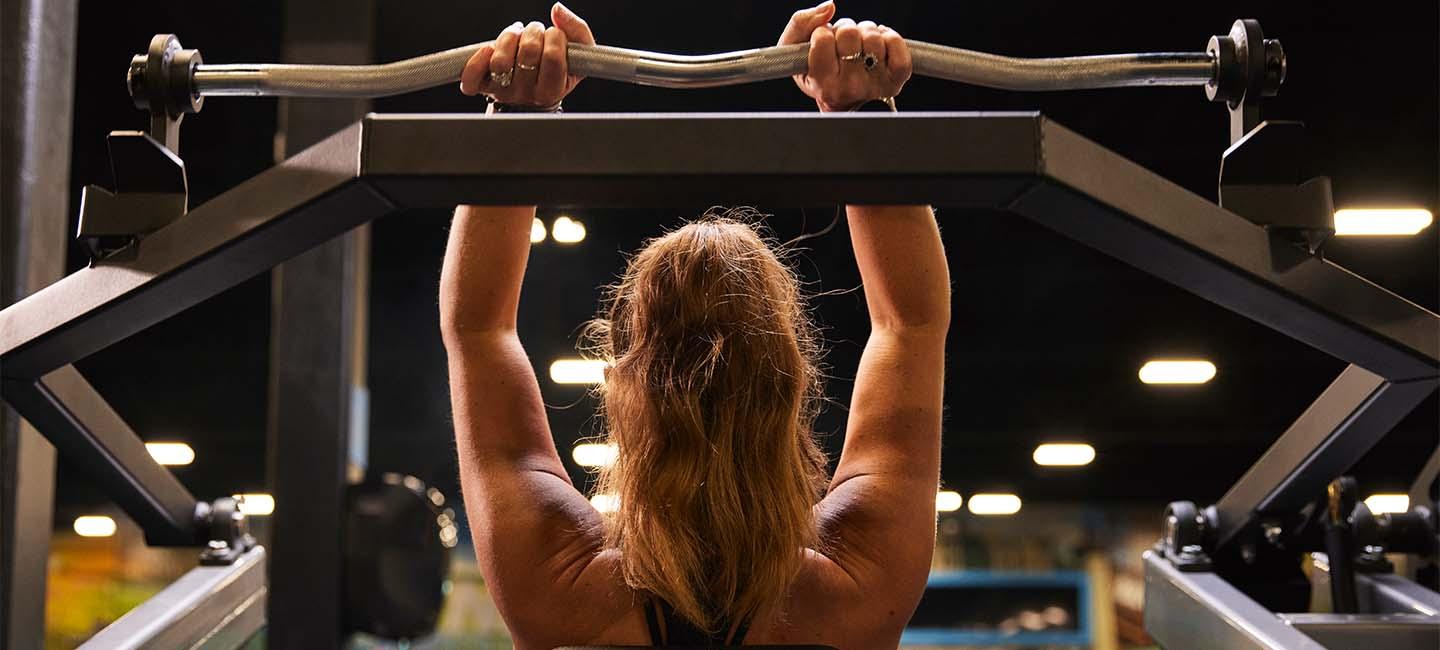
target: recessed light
1064 454
605 502
1177 371
1353 222
257 504
594 454
171 453
567 231
94 526
994 504
577 371
1382 503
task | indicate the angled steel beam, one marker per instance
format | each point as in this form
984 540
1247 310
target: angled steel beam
973 160
1353 413
211 608
1201 611
83 428
1113 205
429 161
276 215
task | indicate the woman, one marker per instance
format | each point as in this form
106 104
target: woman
728 531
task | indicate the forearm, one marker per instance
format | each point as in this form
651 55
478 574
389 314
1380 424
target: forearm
902 265
484 266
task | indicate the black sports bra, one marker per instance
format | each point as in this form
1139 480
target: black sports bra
679 632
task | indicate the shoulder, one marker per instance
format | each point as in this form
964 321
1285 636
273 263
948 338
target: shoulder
599 609
827 606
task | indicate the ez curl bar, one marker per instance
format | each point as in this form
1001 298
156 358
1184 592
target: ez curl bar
1238 68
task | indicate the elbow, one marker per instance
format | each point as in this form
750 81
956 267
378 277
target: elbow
931 314
460 327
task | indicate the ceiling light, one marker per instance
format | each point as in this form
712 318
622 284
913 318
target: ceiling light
257 504
1381 221
567 231
1382 503
1177 371
605 502
594 454
171 453
537 230
1066 454
94 526
994 504
948 501
577 371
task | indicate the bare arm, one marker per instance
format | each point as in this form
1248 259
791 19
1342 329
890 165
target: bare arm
532 530
880 510
879 515
535 535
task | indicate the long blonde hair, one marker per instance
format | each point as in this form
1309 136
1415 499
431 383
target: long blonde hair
711 391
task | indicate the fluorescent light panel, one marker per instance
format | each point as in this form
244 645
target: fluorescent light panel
994 504
1064 454
595 454
1177 371
948 501
567 231
537 231
1382 503
171 453
256 504
1353 222
577 371
94 526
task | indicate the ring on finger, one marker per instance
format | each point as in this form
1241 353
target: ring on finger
871 61
852 57
503 79
527 68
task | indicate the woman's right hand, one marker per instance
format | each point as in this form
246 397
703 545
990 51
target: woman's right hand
526 65
839 78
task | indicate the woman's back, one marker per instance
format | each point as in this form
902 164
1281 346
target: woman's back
726 517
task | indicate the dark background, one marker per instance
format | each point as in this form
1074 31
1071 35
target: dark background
1047 335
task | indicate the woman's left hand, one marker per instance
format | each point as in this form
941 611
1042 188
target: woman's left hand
850 63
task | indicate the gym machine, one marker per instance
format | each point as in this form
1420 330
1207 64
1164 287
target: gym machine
1256 253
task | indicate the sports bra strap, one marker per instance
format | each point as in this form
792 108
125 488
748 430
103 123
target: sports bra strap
680 632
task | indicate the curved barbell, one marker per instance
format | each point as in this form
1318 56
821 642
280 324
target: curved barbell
705 71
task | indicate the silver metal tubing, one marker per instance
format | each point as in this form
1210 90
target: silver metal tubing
704 71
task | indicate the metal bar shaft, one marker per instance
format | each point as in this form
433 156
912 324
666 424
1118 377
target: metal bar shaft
706 71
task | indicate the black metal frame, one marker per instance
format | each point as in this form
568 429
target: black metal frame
1016 161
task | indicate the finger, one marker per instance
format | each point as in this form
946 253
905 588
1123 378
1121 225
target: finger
502 62
575 27
872 42
550 84
527 58
823 62
897 58
847 37
804 22
476 70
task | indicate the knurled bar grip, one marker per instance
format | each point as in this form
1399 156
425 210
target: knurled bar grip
704 71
